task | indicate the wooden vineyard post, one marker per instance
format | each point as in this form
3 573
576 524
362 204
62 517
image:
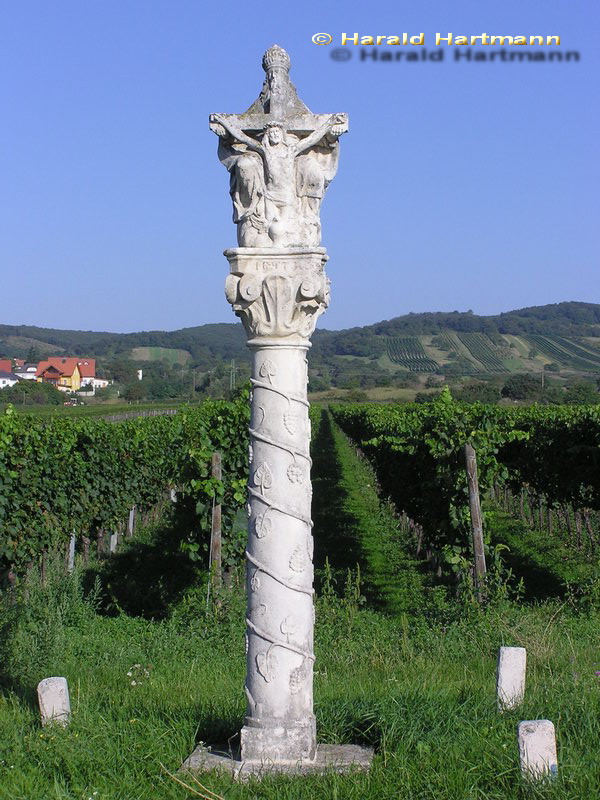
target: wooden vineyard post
71 553
12 587
476 521
215 531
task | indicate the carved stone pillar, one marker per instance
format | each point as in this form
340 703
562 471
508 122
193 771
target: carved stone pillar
279 295
281 159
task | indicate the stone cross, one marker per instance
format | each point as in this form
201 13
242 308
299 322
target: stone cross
280 158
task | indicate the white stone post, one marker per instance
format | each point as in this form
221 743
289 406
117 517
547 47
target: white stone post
537 749
71 554
54 702
510 680
281 158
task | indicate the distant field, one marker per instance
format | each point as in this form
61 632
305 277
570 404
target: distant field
96 410
169 354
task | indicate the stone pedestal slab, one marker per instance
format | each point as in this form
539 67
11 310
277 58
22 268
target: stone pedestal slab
329 758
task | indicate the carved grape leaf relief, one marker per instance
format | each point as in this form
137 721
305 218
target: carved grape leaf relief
267 665
262 526
267 370
289 422
289 626
263 477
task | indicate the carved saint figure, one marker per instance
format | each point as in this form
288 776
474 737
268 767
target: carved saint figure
246 187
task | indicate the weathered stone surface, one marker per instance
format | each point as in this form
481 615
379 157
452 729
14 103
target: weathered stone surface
328 758
281 158
537 748
53 698
510 677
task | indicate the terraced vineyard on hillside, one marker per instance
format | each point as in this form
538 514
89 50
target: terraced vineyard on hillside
483 351
410 353
566 352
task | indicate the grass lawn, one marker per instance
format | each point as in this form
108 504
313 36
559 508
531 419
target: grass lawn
400 666
421 691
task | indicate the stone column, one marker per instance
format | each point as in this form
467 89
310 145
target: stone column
279 294
280 158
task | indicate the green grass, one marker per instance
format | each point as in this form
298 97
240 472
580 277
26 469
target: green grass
416 681
420 693
547 564
355 530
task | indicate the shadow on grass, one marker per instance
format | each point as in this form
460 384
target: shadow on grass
336 530
540 582
149 575
339 721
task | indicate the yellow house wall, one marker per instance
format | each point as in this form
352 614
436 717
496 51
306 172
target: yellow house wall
73 382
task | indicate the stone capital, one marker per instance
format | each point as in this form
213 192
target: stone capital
278 293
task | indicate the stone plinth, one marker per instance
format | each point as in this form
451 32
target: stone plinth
329 758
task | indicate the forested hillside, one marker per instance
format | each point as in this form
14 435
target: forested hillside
561 340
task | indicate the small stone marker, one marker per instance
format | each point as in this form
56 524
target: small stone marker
173 495
537 748
53 697
113 542
510 677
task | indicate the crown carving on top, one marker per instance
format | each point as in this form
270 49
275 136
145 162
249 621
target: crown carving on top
276 56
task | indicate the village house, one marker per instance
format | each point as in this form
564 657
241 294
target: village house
87 370
25 372
63 373
7 378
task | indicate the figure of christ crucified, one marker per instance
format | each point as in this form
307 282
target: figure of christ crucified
278 150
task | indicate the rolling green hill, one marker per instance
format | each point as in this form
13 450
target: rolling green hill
563 337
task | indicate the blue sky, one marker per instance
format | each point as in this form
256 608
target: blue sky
461 185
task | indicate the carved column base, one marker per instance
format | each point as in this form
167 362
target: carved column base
279 740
